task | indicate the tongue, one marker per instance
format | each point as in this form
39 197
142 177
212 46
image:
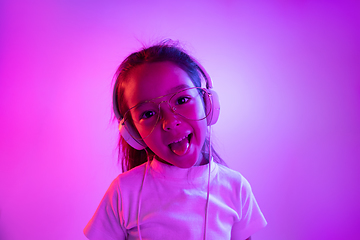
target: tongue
180 148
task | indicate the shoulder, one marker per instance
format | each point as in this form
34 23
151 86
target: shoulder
233 182
233 177
129 179
132 174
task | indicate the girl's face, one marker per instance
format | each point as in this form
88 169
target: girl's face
175 139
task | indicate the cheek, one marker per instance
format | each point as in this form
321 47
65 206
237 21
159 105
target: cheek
202 130
153 141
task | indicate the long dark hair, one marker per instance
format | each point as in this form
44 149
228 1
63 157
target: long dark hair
164 51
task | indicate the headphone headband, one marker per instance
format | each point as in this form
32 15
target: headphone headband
204 74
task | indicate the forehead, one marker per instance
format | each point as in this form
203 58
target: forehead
151 80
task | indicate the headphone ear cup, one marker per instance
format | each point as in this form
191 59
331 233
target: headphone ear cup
212 105
137 144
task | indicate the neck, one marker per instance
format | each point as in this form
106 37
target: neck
203 160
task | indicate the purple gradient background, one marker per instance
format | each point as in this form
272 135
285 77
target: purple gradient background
288 77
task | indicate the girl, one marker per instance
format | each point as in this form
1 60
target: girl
173 185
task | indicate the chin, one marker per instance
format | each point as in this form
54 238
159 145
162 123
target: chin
188 160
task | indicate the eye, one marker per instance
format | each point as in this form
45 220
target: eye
182 100
147 114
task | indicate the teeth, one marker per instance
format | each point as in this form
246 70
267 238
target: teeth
180 139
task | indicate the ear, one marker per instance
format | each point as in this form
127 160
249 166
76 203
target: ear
135 143
213 106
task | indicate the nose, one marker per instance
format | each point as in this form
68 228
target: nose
169 119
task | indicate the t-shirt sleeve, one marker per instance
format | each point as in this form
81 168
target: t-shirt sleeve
252 219
106 224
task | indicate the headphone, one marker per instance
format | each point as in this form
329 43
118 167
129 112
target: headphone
212 103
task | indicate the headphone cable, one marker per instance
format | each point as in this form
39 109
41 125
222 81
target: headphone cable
208 186
142 185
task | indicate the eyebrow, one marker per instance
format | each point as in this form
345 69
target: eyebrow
177 88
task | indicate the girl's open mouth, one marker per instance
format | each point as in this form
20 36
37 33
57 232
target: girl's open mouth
181 146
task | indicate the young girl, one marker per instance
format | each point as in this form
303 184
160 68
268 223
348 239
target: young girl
173 185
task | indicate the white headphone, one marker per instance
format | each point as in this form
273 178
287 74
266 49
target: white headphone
212 103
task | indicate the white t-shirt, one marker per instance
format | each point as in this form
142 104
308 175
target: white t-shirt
173 204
